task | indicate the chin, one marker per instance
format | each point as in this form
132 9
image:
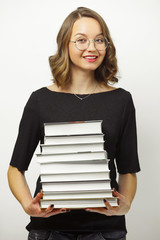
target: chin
87 67
93 68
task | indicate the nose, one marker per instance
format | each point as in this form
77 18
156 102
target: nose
91 46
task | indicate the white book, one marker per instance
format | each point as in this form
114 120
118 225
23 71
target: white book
79 185
72 139
84 176
82 203
73 128
74 167
78 191
77 195
80 156
67 148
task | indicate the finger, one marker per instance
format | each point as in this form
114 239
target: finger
55 212
37 197
50 208
47 210
108 206
100 210
118 195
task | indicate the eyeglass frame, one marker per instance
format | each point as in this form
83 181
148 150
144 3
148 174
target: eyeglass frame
89 41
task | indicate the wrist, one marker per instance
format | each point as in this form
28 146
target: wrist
128 203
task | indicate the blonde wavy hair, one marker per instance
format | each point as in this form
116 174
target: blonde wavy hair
60 62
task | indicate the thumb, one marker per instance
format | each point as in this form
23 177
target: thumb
37 197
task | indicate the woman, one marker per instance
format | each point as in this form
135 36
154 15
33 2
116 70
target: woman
83 67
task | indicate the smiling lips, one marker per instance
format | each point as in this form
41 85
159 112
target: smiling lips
90 58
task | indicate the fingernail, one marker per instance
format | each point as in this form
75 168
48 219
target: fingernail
114 190
52 205
63 210
87 210
104 200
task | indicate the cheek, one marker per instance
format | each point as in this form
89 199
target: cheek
74 54
70 52
103 54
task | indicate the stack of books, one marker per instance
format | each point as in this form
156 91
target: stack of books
74 166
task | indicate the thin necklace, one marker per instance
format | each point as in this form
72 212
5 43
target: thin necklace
87 95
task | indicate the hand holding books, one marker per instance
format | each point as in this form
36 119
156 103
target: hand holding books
34 209
109 210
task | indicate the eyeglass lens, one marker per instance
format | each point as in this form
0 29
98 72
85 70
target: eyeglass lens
83 43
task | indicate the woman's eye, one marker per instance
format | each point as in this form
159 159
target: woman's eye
82 40
99 40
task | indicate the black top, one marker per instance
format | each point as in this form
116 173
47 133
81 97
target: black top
117 111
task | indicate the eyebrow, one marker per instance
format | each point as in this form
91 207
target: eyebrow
86 35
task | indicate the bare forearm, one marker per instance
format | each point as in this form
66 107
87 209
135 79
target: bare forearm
18 186
128 186
20 190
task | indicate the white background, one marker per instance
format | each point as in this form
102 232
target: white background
28 31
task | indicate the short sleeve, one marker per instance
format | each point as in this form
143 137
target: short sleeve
28 135
127 155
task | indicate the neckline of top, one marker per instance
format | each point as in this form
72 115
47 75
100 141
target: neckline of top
80 94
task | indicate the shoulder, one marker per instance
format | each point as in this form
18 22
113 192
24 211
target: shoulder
39 91
122 94
33 100
127 100
119 92
39 94
122 99
46 90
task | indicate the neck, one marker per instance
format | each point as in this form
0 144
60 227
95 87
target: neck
83 82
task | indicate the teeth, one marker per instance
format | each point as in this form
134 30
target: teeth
90 57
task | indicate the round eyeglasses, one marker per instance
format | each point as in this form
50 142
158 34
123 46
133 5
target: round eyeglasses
82 43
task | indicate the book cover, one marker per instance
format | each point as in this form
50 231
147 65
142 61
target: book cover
81 203
77 195
72 139
72 156
74 167
73 128
67 148
83 176
76 185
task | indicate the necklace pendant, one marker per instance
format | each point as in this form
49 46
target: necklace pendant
85 96
78 97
